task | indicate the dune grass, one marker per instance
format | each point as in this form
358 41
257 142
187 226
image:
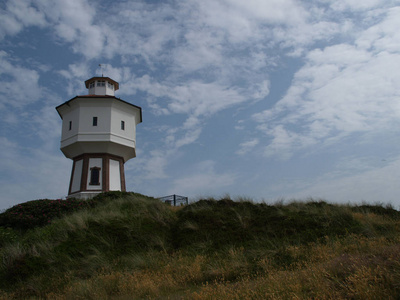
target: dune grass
130 246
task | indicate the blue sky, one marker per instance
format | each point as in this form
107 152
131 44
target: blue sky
265 99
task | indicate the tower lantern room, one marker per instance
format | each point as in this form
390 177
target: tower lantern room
101 86
99 135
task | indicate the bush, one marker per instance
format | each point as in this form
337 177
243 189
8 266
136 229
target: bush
7 236
41 212
36 213
217 224
88 240
378 209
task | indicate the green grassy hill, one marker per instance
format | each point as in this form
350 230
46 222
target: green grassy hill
130 246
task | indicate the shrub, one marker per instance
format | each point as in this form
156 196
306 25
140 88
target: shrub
217 224
89 240
35 213
41 212
378 209
7 235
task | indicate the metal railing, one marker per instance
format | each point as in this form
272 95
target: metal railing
175 200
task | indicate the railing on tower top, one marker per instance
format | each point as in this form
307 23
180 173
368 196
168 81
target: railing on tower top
175 200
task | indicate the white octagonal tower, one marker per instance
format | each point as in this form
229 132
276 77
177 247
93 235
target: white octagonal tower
99 135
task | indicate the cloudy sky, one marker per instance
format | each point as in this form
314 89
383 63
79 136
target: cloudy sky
265 99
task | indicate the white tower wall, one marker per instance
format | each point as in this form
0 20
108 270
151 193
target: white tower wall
79 135
76 176
115 175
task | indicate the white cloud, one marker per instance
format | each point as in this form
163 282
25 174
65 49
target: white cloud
342 89
17 15
384 35
27 14
356 5
285 142
76 75
240 125
247 146
378 184
31 172
208 36
263 90
195 99
127 35
201 99
203 180
9 25
153 165
8 150
73 22
47 127
18 85
275 11
190 136
241 21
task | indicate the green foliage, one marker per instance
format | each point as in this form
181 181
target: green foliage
378 209
89 239
103 197
36 213
218 224
128 236
8 235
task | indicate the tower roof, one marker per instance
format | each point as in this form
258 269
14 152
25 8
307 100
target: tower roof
116 84
67 103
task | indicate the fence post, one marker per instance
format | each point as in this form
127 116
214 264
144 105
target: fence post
174 200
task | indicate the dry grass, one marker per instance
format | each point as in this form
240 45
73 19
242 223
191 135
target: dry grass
352 268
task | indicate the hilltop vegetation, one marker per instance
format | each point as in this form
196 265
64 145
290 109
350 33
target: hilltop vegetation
126 245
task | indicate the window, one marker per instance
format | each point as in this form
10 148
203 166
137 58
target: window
101 83
110 85
94 176
123 125
70 125
94 121
91 85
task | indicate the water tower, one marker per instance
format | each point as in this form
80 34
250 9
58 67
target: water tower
99 135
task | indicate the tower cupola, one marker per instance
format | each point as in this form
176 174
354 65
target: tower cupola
101 86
